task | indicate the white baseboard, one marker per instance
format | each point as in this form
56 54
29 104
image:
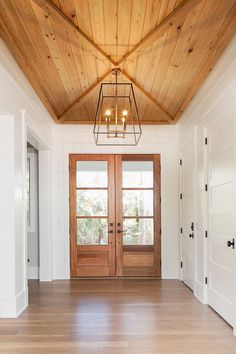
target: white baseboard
12 306
33 272
199 292
21 302
61 273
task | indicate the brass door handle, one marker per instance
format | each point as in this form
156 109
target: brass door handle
120 231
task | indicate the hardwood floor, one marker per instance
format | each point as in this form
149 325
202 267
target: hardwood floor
115 317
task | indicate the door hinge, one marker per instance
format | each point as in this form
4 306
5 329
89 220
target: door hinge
181 230
206 141
160 262
181 196
160 231
181 264
206 234
180 162
206 187
205 280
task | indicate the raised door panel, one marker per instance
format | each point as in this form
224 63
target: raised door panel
222 214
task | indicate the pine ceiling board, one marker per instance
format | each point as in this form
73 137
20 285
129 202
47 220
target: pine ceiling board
40 62
151 116
65 67
124 23
151 16
148 62
68 7
89 67
189 53
111 28
96 9
137 22
83 98
65 42
43 57
169 47
83 17
165 9
225 35
58 54
202 52
181 45
8 34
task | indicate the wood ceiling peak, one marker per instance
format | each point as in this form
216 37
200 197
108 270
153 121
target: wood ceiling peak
67 48
184 7
161 28
83 97
165 115
50 7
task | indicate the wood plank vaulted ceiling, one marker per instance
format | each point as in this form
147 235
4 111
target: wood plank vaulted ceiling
66 48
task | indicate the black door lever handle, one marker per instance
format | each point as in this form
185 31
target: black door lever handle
191 235
231 243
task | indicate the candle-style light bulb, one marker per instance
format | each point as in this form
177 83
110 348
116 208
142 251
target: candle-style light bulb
124 115
108 115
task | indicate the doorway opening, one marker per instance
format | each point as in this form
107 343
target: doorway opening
115 215
32 213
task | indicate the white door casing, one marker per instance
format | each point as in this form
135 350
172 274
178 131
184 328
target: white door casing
222 214
188 214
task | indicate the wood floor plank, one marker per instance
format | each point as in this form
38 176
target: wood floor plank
115 316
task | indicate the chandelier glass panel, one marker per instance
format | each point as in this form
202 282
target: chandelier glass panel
117 119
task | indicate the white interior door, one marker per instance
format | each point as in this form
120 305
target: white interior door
188 214
222 215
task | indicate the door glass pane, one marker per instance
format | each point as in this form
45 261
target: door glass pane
92 231
138 203
137 174
138 232
92 202
91 174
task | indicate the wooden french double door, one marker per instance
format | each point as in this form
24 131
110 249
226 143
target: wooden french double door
115 215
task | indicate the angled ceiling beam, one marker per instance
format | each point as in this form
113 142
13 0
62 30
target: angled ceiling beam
51 8
162 27
224 36
82 98
165 115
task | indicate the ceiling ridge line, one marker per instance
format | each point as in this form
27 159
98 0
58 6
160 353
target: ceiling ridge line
44 4
162 27
89 91
84 95
168 117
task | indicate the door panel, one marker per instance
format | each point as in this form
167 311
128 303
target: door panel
115 236
138 215
222 212
92 215
188 211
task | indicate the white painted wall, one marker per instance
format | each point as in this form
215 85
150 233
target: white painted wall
79 139
21 114
217 94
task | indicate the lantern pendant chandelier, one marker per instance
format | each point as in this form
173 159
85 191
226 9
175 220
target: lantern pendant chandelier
117 119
